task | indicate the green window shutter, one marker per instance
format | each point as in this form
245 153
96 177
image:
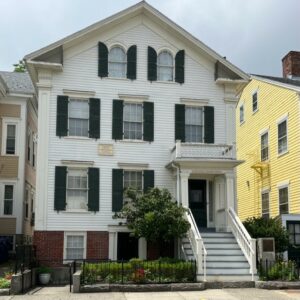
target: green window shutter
131 62
62 116
117 189
152 64
148 121
179 66
102 60
209 125
148 180
94 119
180 122
93 194
60 188
117 126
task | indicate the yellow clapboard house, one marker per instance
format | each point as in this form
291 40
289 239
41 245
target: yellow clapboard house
268 141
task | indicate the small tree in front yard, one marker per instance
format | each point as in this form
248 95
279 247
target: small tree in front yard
259 227
154 216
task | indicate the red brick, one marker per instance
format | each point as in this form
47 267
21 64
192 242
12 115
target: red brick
97 245
167 250
291 64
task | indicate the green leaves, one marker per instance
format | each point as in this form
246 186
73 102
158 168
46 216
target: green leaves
154 215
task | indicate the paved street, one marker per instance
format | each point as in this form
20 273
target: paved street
61 293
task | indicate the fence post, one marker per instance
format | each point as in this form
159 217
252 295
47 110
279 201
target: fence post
22 274
83 267
70 277
159 271
122 271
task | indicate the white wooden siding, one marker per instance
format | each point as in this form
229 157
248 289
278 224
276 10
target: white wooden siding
80 72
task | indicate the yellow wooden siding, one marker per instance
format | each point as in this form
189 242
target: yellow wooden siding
9 167
273 103
7 226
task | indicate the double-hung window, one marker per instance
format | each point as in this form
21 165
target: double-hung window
194 124
294 232
133 121
254 102
8 199
78 117
77 189
242 117
75 246
133 179
11 139
165 66
282 137
264 146
265 210
117 63
284 200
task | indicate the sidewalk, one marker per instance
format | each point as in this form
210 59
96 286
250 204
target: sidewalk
62 293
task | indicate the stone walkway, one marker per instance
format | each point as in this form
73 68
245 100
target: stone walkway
62 293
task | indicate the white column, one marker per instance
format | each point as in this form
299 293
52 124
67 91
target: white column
184 184
230 193
142 248
44 93
112 245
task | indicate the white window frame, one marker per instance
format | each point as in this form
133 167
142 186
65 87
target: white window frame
257 102
264 192
78 136
87 189
123 129
268 145
5 122
132 170
108 61
242 107
203 125
281 186
74 233
173 65
2 197
280 121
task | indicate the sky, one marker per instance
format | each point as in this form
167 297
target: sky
252 34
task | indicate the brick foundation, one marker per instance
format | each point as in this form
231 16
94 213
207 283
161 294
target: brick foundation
167 250
97 245
49 247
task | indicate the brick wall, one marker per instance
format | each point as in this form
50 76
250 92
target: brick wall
49 246
291 64
97 245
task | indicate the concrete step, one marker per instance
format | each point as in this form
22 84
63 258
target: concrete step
227 271
226 278
219 240
227 264
216 235
224 246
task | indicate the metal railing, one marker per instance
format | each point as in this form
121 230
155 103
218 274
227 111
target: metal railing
197 244
137 271
201 150
247 244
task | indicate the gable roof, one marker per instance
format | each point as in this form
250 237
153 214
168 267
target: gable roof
283 82
145 8
16 82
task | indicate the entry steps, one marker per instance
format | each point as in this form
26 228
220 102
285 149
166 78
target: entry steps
225 260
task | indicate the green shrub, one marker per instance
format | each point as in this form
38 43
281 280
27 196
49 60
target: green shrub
283 270
43 270
4 283
138 271
261 227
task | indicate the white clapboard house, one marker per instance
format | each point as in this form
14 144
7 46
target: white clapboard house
135 100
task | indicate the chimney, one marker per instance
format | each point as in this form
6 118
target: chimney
291 65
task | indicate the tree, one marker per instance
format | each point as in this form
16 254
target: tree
20 67
154 216
259 227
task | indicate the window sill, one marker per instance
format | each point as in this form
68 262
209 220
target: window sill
167 82
134 141
77 138
84 212
254 112
118 78
283 153
242 123
10 155
7 216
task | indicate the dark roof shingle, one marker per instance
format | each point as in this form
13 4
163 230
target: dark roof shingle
280 79
17 82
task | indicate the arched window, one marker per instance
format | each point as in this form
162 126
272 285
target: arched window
165 66
117 63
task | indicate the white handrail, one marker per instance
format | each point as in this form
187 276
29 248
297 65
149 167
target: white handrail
247 244
197 244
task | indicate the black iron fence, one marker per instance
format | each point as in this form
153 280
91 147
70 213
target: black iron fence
279 269
25 257
137 271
